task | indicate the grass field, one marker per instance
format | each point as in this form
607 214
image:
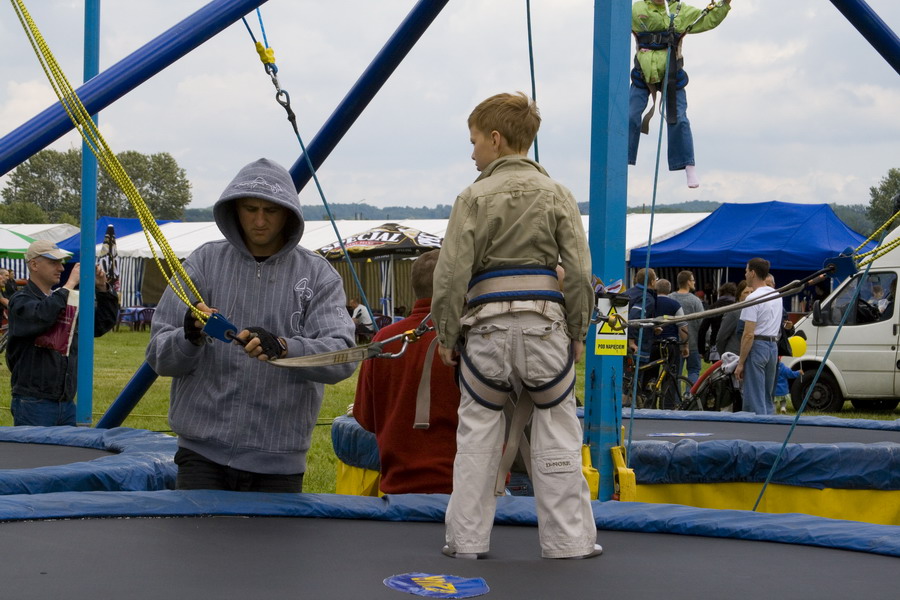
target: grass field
120 353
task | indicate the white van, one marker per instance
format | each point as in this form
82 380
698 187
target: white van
864 364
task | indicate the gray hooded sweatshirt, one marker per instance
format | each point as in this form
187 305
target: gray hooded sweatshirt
232 409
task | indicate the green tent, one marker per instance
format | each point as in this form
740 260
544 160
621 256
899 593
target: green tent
12 244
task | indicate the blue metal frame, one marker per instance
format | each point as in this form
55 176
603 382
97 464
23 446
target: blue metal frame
116 81
873 28
84 406
608 193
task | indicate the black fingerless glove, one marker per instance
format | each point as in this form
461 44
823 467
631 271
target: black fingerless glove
192 333
269 342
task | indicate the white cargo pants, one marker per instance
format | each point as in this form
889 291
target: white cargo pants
512 349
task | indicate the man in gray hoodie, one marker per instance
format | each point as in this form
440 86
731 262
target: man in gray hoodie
243 425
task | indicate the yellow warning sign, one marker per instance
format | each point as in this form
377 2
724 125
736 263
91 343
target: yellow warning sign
611 338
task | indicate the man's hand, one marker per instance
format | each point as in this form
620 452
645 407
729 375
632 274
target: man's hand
577 350
263 345
448 355
632 346
101 280
739 372
74 277
193 328
685 351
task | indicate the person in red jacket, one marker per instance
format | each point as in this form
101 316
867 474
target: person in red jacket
412 460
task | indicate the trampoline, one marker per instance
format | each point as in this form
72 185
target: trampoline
836 468
326 546
36 460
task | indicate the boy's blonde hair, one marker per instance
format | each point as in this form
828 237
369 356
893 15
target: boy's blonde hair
515 116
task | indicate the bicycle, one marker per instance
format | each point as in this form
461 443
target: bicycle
666 390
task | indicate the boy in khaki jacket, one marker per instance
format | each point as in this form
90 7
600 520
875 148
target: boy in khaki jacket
500 314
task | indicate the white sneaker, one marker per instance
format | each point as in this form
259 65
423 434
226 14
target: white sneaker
446 551
597 551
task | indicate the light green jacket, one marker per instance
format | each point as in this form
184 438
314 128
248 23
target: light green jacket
513 214
648 16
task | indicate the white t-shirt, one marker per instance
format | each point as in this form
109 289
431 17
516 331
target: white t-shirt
361 316
767 315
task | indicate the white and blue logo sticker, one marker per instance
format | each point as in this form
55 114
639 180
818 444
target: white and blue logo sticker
438 586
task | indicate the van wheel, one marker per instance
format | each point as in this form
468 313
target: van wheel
868 404
825 397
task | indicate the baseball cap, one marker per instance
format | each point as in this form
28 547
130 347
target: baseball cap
47 250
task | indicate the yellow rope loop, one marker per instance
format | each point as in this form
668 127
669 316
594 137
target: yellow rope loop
875 234
266 55
173 270
879 252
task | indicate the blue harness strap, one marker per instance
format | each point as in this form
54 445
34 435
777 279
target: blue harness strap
514 283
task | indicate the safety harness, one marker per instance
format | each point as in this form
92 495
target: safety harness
667 39
510 284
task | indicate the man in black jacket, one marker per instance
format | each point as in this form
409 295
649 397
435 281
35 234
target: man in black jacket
44 378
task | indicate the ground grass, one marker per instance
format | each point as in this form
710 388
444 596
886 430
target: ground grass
120 353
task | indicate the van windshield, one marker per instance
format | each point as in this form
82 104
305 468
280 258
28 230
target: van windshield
875 302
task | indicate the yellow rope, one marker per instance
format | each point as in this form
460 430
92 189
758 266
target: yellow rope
174 271
874 235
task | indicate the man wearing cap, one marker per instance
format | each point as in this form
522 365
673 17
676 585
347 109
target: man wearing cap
244 425
43 379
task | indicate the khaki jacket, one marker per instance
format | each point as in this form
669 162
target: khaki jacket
514 214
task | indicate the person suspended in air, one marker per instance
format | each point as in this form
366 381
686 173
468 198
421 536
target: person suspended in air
659 26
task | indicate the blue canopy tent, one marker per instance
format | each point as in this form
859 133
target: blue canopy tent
795 238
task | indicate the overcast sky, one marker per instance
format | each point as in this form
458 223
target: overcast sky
787 100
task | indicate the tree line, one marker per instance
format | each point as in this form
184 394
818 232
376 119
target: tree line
47 189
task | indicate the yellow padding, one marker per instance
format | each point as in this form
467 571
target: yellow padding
354 481
869 506
623 477
590 473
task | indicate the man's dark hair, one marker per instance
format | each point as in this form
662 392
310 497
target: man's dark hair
728 289
760 266
639 277
423 274
684 277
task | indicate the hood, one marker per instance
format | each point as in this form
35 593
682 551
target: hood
266 180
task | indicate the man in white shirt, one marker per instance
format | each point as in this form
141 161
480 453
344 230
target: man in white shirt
361 318
758 363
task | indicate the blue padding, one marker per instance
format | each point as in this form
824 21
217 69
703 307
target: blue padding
844 466
143 461
511 510
748 417
353 445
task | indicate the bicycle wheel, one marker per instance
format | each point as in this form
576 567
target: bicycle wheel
674 392
4 338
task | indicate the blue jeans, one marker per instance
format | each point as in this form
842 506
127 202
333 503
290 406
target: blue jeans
693 366
680 140
759 378
43 413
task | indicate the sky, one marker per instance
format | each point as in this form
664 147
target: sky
787 101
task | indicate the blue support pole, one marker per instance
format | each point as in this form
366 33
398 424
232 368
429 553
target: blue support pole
608 193
133 70
870 25
85 403
130 395
365 88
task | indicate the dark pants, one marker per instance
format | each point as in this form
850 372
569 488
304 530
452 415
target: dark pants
196 472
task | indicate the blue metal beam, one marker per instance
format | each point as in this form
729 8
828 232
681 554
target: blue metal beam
870 25
365 88
608 193
133 70
85 404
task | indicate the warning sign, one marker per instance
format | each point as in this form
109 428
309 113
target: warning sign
611 339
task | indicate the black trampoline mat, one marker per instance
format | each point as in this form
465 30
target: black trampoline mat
293 558
757 432
18 455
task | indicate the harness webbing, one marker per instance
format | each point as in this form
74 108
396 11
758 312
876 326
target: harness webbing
173 270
